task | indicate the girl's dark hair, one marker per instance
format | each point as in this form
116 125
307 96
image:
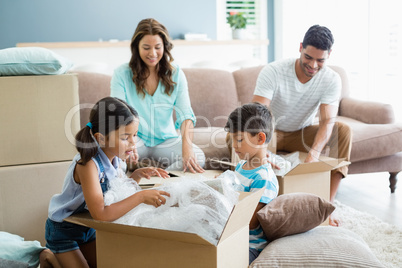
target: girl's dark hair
107 115
164 67
319 37
252 118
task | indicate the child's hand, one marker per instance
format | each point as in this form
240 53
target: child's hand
153 197
133 157
148 172
272 164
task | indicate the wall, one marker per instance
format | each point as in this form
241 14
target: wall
25 21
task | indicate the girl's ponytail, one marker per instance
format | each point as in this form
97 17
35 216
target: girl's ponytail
85 144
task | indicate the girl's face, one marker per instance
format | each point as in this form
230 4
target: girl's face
121 142
151 50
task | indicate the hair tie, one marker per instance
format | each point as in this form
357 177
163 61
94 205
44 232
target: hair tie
89 124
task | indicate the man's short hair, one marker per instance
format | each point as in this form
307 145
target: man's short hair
319 37
252 118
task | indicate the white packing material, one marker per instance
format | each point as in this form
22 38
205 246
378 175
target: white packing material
284 162
193 205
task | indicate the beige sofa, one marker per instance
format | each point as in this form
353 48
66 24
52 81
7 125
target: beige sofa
377 139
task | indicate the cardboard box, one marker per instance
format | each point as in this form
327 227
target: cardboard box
311 178
39 117
122 246
25 192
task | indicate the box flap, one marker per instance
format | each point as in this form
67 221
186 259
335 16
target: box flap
85 219
313 167
325 164
241 213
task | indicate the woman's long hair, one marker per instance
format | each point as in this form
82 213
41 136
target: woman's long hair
164 67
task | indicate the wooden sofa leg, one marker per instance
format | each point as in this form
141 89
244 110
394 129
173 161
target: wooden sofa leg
393 180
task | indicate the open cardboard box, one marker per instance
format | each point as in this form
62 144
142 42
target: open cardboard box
119 245
311 178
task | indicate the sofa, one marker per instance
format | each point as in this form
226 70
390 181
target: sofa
376 142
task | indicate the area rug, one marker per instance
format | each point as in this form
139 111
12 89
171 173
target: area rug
385 240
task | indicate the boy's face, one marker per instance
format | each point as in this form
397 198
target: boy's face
245 145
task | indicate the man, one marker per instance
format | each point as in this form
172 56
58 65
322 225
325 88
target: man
295 90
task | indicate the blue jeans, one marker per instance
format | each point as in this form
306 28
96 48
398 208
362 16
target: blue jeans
66 236
252 255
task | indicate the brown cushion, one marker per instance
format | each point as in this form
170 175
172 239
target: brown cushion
292 214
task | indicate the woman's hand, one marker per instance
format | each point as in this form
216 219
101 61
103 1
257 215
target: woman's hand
148 172
189 161
153 197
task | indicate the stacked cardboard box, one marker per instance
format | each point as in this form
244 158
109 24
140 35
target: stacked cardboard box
39 117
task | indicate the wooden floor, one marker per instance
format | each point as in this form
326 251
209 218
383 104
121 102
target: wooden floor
371 193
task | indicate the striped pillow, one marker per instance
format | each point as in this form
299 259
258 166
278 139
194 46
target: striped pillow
323 246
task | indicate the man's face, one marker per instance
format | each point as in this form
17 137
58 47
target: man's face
312 59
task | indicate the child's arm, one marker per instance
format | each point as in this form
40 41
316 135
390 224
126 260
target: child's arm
147 172
254 220
87 176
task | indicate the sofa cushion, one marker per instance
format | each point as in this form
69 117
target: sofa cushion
246 80
92 87
213 95
212 141
293 213
370 141
324 246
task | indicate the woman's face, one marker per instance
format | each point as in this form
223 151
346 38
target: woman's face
151 50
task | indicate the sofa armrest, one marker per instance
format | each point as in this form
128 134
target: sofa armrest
367 111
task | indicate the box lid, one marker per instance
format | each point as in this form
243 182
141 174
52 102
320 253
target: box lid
240 216
324 164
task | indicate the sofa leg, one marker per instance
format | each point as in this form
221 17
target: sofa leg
393 180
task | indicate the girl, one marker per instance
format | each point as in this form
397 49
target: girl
155 87
106 139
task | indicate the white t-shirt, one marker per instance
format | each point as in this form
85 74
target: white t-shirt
293 104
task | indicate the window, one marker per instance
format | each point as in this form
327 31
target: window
256 12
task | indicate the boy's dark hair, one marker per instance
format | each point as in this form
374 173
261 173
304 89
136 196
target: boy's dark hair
108 114
252 118
319 37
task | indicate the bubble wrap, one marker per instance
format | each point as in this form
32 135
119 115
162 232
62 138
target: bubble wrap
200 206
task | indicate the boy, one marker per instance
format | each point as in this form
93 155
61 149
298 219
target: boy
250 128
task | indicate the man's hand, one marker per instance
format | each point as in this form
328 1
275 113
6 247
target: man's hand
313 156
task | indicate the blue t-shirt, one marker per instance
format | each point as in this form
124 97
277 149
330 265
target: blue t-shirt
252 181
156 111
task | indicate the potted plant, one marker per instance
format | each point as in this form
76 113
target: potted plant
238 23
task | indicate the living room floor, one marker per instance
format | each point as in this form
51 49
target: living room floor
370 193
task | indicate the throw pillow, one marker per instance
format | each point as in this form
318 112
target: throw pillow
323 246
292 214
32 61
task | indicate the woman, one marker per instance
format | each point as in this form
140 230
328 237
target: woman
156 87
